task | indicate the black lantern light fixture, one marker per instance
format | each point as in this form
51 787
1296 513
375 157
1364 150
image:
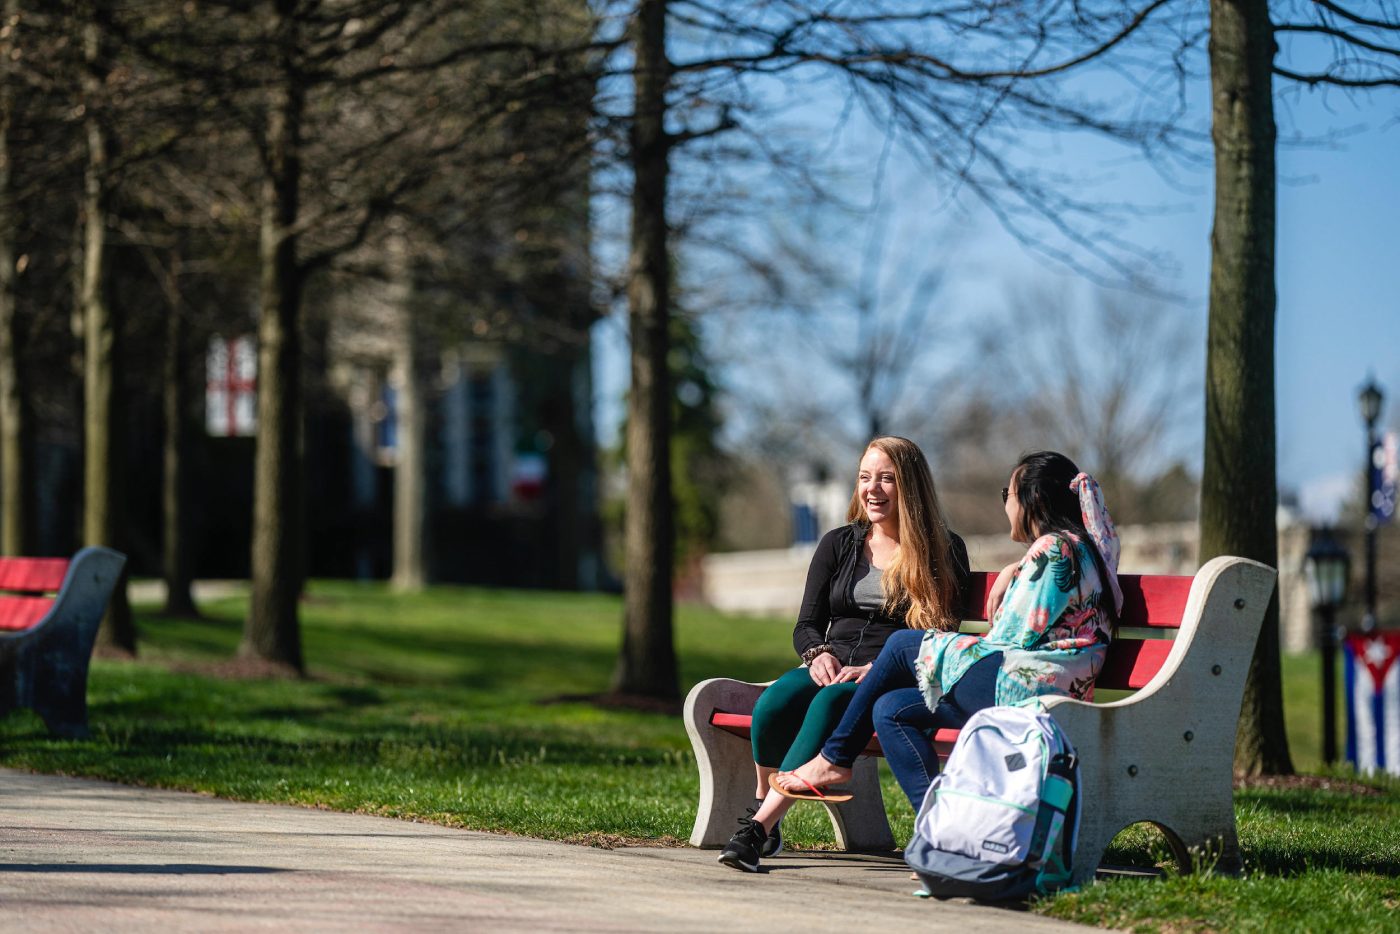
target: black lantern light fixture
1326 567
1370 400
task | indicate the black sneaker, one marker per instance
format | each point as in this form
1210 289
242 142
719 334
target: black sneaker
743 849
774 844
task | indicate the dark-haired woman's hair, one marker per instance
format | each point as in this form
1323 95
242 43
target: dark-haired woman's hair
1049 505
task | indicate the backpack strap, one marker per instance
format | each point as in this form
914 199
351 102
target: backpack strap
1056 794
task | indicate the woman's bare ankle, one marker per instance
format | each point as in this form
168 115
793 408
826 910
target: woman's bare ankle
816 772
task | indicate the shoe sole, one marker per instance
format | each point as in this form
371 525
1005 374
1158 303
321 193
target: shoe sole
734 862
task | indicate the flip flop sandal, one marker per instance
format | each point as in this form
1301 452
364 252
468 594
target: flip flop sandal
816 793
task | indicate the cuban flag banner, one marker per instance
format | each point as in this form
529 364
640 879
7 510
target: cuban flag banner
1373 701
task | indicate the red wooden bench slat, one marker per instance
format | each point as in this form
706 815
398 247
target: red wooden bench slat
1131 663
977 586
17 613
736 723
739 723
943 741
1157 600
32 575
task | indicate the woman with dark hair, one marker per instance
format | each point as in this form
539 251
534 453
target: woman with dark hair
1049 635
893 567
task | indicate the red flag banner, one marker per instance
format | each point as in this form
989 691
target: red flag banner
231 384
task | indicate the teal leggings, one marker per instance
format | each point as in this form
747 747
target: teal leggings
794 717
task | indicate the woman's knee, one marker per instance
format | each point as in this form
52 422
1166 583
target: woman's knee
886 707
789 695
898 709
831 702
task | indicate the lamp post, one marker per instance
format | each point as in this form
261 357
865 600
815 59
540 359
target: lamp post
1326 567
1370 400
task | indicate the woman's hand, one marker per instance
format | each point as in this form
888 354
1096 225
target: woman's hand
854 673
999 588
824 669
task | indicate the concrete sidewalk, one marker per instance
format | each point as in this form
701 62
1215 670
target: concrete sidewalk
83 855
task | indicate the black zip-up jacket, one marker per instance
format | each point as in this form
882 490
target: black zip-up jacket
829 613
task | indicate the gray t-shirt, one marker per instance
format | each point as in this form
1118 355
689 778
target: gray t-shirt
868 593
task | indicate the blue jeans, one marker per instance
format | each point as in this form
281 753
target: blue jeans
889 702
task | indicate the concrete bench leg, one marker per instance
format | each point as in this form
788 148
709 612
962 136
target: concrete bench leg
60 659
1203 839
1136 765
64 650
725 761
1165 755
47 667
860 823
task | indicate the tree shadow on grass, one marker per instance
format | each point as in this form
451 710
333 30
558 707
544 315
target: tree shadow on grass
503 661
1289 833
1282 848
344 743
497 663
612 701
1293 863
356 696
327 703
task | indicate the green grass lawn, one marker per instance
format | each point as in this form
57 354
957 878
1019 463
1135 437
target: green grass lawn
455 707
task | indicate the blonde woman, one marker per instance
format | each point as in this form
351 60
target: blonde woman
893 566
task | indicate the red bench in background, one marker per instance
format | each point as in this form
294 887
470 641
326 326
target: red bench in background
50 609
1163 754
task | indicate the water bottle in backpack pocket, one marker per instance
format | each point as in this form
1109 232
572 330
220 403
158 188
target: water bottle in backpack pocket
1000 821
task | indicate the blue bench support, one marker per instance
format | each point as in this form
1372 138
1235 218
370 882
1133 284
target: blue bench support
45 666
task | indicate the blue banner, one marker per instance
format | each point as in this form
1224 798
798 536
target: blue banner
1382 479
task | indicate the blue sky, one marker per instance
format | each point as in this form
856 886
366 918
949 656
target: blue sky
1338 277
1339 302
1338 274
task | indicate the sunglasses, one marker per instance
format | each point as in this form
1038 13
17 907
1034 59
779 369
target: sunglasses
1005 494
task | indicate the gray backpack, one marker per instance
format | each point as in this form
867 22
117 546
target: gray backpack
1000 821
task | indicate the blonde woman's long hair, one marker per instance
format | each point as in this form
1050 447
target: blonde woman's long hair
910 584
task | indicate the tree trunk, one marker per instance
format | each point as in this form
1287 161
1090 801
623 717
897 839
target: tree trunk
175 552
647 663
272 631
1239 496
102 489
410 470
14 481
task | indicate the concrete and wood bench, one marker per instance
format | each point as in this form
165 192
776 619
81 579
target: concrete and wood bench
50 609
1162 754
